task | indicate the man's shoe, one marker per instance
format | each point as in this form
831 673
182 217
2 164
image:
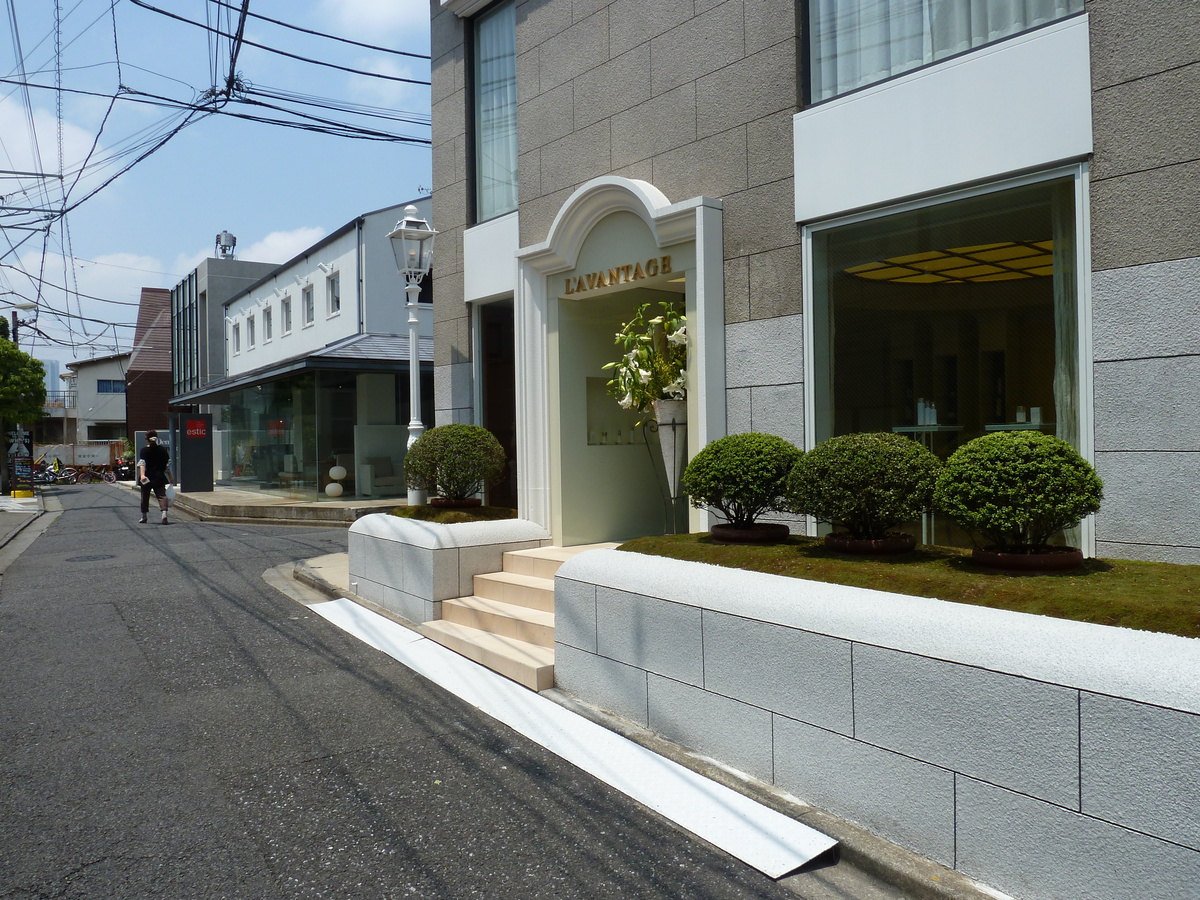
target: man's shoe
142 520
164 519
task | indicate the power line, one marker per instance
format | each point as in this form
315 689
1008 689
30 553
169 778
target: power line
322 34
295 56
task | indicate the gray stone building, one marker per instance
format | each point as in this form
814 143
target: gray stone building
936 219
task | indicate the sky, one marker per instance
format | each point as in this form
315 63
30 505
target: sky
278 189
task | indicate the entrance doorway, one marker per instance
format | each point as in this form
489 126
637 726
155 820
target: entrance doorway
499 387
613 485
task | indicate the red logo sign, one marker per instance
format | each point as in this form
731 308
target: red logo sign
197 428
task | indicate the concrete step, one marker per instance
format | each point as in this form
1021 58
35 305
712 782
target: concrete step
543 562
520 590
505 619
525 663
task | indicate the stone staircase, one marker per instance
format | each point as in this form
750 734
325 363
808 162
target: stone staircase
508 623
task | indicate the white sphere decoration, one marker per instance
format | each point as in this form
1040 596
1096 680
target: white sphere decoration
334 488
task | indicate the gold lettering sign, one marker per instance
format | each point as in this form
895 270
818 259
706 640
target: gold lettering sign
656 265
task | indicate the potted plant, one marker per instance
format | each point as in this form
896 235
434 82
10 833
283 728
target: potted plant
742 476
867 485
650 378
454 463
653 362
1020 490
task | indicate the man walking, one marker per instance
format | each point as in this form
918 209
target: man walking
154 474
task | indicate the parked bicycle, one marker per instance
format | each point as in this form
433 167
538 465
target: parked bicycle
94 473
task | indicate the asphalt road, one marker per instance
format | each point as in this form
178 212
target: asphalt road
172 726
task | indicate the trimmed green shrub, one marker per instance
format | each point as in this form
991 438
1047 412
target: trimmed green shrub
741 476
865 483
454 461
1019 488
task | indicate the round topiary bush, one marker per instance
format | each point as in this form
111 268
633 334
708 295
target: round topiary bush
866 483
741 476
454 461
1019 489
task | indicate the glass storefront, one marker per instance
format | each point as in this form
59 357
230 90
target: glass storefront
284 436
949 321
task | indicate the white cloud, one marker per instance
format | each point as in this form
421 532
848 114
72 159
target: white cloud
18 149
280 246
375 22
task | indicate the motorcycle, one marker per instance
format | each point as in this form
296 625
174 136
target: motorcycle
124 470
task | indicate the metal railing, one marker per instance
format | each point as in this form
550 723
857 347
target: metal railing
60 400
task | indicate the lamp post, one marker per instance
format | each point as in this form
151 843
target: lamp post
412 244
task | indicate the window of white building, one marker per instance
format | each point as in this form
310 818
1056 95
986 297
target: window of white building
285 315
249 332
237 338
854 43
495 109
308 306
333 294
268 324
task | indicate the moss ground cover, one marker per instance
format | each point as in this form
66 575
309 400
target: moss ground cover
1143 595
445 516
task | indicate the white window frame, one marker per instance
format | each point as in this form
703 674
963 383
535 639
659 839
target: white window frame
250 335
285 315
1083 268
308 307
333 294
236 338
268 318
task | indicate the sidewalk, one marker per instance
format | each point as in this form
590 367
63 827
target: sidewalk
227 505
15 514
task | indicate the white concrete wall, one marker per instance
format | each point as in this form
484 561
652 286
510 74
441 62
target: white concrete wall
341 255
1046 758
372 296
409 567
1021 104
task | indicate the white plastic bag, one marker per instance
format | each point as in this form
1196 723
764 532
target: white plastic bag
171 495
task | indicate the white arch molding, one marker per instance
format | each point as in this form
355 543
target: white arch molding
696 221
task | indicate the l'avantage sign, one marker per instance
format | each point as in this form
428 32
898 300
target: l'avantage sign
658 265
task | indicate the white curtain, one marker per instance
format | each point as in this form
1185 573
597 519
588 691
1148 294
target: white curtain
496 112
1066 322
853 43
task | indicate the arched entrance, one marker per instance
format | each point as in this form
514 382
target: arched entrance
614 244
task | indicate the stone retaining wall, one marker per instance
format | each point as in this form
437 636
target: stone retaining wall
1047 758
409 567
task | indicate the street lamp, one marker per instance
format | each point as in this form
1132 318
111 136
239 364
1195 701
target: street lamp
24 307
412 244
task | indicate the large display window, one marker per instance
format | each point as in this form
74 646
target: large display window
949 321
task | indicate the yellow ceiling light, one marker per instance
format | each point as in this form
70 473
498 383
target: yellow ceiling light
1004 261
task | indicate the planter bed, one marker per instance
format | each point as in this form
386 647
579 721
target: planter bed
1028 752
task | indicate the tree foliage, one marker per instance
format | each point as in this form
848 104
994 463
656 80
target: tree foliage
741 476
865 483
454 461
1018 488
22 385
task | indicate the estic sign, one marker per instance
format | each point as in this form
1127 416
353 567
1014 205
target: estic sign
197 428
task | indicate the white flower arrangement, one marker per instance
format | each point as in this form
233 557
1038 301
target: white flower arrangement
653 365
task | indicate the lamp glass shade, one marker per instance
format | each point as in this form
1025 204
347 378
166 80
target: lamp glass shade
412 245
337 473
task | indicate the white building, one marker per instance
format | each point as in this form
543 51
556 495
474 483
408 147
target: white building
98 386
316 367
